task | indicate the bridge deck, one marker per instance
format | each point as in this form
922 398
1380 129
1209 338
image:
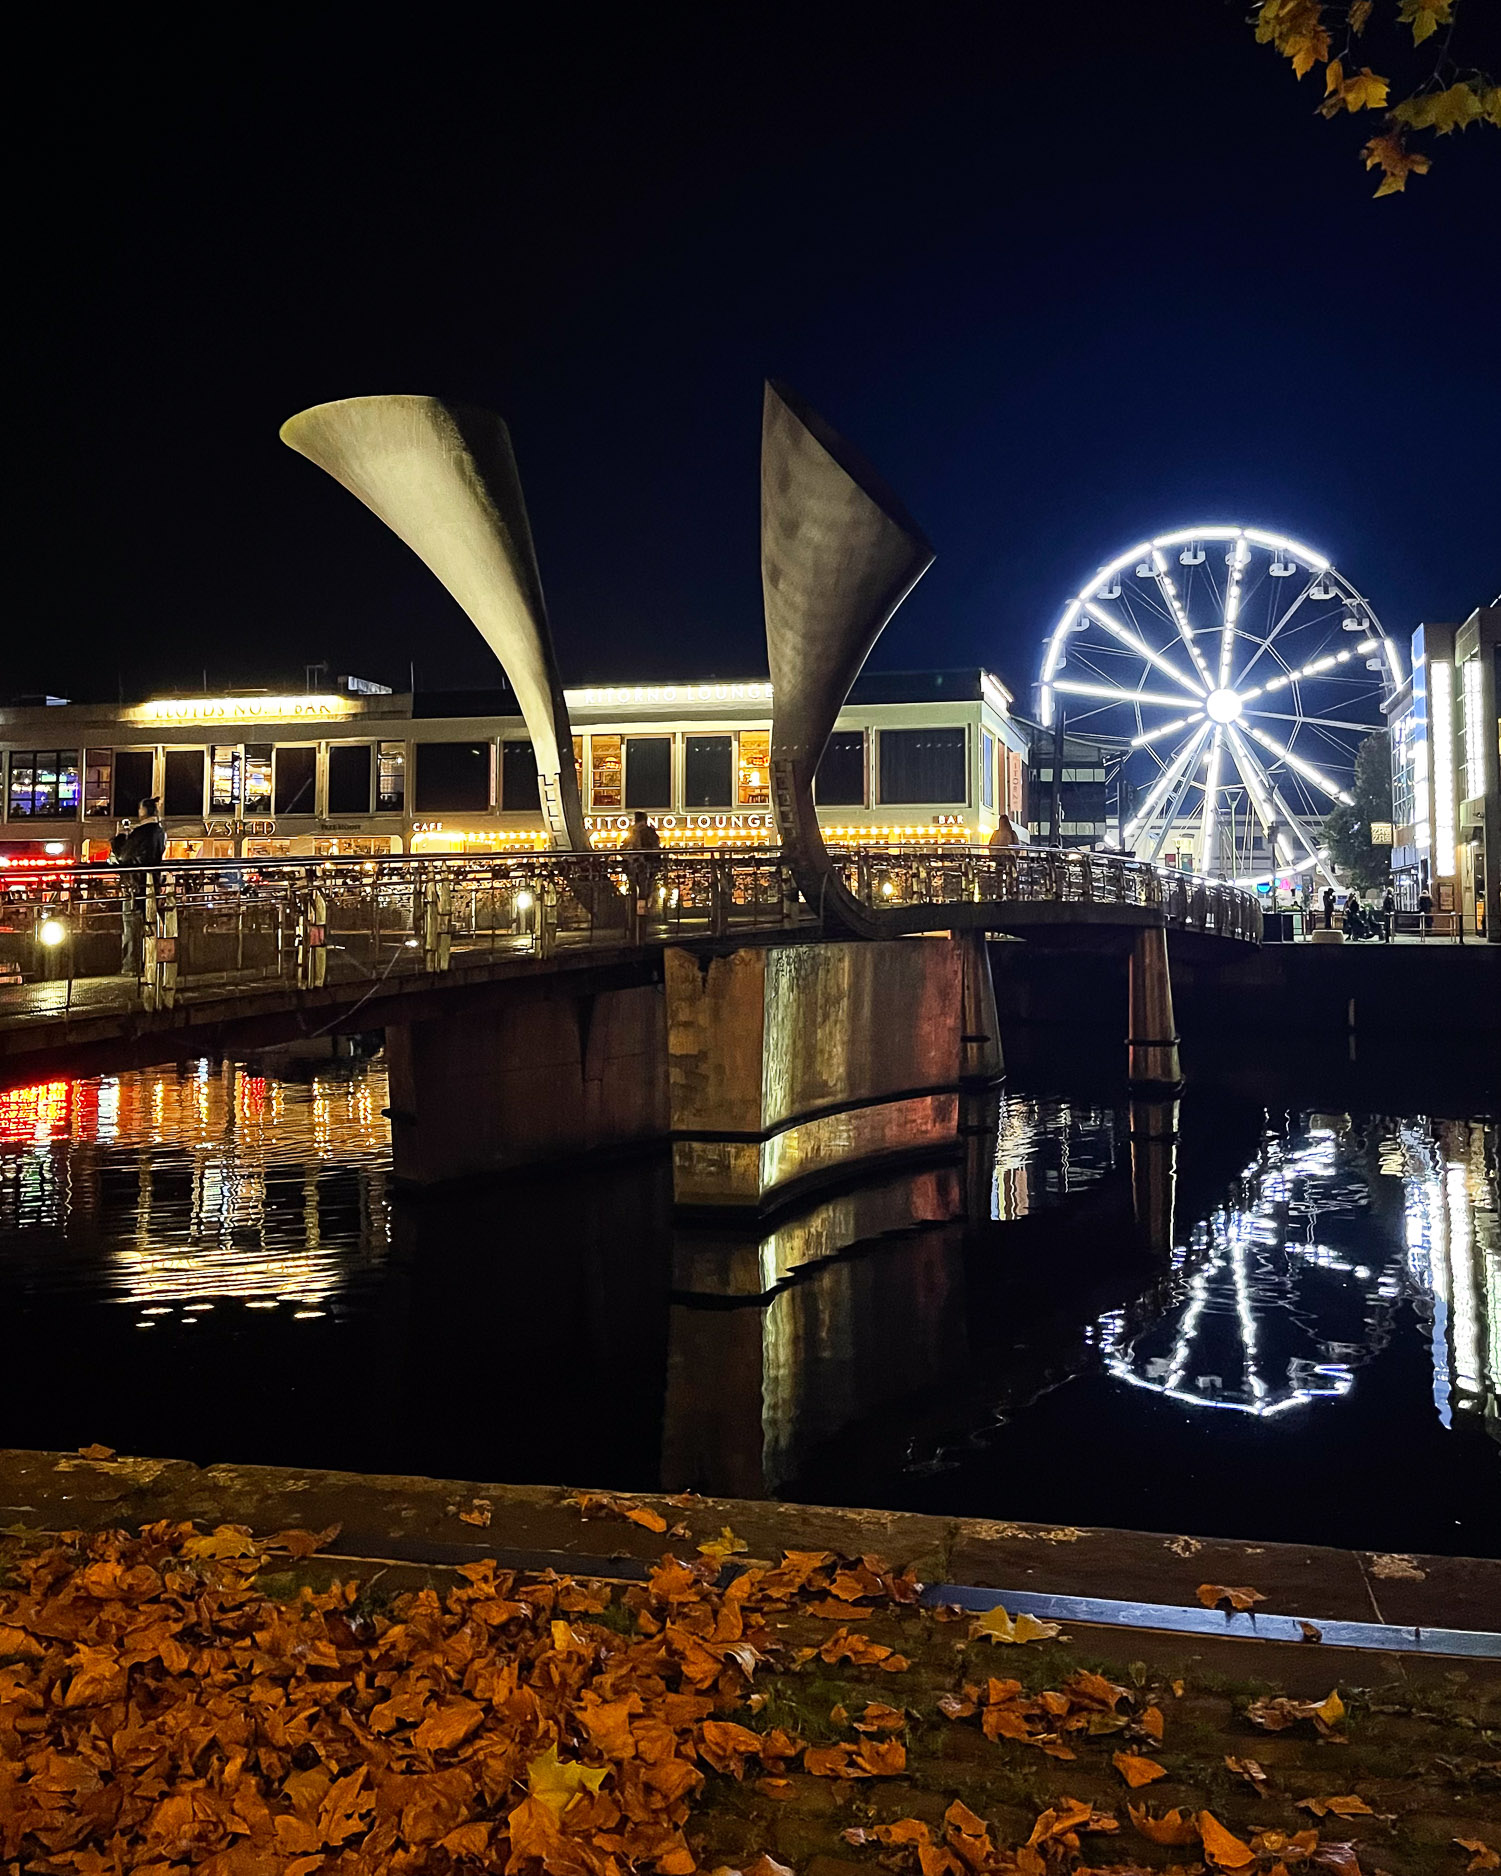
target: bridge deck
225 953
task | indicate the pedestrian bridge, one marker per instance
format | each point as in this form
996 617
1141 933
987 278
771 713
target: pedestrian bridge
239 953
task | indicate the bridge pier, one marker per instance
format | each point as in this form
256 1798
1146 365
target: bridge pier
980 1054
549 1074
1152 1048
1154 1171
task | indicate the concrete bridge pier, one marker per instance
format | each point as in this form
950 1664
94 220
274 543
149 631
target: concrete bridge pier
1152 1061
980 1054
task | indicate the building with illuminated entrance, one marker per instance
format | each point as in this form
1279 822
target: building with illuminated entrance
917 758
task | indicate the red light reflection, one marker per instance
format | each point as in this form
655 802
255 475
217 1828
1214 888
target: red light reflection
40 1112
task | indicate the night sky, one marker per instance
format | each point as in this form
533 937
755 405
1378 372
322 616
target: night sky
1067 274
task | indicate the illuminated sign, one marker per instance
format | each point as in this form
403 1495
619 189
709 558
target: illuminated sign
1381 834
1441 706
619 823
227 829
665 696
237 709
427 827
948 820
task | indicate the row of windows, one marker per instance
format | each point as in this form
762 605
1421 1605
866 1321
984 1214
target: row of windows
617 772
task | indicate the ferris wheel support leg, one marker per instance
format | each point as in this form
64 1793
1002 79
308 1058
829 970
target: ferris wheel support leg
1152 1046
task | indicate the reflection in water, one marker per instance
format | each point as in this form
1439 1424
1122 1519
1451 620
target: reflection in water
1047 1149
1022 1330
187 1187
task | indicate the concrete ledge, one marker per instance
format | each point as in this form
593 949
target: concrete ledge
418 1519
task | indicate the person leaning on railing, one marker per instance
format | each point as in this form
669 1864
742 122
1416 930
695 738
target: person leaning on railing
145 844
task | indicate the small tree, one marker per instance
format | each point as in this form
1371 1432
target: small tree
1347 831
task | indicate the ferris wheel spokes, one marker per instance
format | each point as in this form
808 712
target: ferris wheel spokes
1175 606
1304 768
1211 800
1140 646
1165 781
1271 804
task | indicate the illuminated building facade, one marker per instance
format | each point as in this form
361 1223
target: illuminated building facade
915 758
1446 796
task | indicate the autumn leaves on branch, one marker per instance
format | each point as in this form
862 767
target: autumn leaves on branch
1443 99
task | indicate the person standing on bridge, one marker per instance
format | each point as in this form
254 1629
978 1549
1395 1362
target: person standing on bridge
1328 908
144 845
1388 914
640 837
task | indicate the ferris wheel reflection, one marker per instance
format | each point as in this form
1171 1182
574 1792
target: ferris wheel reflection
1273 1310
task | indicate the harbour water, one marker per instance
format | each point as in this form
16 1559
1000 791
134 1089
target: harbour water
209 1262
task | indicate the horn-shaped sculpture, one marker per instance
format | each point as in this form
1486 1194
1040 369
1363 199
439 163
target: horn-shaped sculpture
443 478
839 554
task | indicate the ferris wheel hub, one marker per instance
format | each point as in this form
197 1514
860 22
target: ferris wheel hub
1223 705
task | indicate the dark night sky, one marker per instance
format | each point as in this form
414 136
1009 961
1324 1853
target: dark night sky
1091 276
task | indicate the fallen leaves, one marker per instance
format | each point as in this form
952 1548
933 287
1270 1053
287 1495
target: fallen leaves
1173 1828
96 1451
1222 1847
997 1626
1136 1770
1250 1770
1213 1594
1482 1856
1275 1715
1349 1806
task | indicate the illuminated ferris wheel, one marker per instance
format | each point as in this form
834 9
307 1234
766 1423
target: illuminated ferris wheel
1242 672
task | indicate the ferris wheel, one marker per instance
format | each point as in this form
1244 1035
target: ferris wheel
1241 672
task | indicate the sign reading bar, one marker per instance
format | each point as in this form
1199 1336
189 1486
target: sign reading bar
1381 833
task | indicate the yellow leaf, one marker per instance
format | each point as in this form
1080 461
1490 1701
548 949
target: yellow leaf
1455 109
227 1540
1334 78
1482 1855
1136 1770
1222 1846
1001 1627
1425 17
1366 92
96 1451
725 1545
648 1519
1359 14
557 1783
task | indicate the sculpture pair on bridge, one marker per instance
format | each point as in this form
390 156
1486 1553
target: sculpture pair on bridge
838 556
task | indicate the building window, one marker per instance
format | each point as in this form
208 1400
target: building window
708 771
923 765
840 778
754 788
96 781
520 790
223 778
987 769
43 784
453 777
648 771
296 779
255 779
391 778
605 789
182 787
134 777
349 778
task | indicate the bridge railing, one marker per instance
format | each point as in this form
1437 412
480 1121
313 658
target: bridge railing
101 936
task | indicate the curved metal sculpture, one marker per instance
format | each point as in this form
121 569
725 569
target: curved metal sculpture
443 478
839 554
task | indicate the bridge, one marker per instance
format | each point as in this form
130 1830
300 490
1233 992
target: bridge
769 1012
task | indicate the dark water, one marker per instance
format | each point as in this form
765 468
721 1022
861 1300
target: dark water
209 1263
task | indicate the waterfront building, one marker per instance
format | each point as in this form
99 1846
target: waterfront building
916 758
1083 810
1446 789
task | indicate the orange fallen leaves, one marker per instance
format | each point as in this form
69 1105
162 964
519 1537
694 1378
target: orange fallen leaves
1277 1714
1136 1770
1222 1847
1172 1827
1482 1856
1349 1806
1213 1594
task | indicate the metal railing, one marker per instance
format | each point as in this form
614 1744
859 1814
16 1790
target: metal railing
102 938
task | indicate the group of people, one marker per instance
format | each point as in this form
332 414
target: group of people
1359 920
